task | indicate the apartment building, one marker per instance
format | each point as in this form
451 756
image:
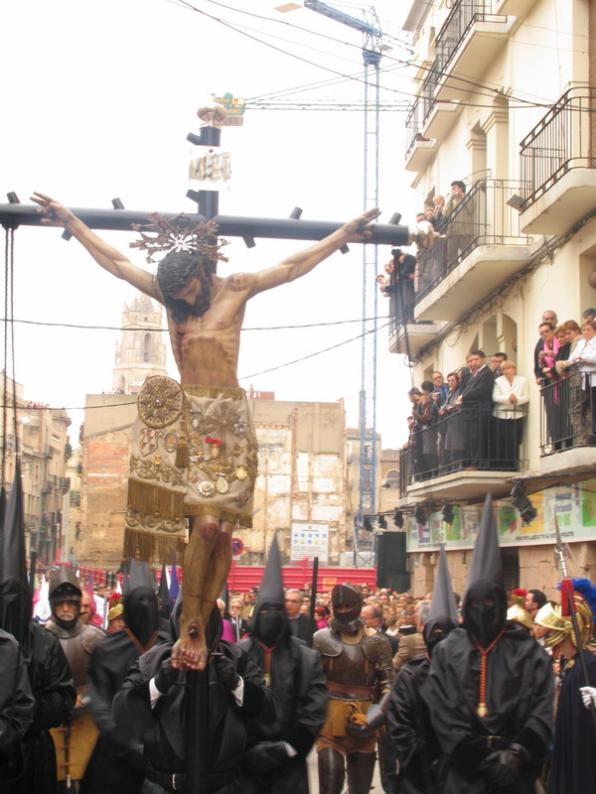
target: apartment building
505 101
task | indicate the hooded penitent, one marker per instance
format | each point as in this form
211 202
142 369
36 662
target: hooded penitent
485 602
346 602
16 604
443 611
140 603
65 586
269 622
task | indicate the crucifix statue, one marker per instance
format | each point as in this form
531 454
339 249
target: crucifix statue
194 451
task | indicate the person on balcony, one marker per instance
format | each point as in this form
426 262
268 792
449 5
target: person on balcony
458 224
583 386
427 413
510 397
476 401
450 418
545 373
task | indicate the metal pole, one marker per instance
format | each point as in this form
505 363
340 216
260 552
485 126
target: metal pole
313 590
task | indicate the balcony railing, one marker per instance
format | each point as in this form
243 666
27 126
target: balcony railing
561 141
469 437
455 28
482 218
568 416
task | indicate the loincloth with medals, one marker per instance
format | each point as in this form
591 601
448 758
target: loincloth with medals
194 453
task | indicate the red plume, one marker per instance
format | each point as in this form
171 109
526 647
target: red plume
567 592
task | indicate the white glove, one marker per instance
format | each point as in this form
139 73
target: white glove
588 694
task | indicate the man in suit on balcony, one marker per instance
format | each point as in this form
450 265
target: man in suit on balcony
476 403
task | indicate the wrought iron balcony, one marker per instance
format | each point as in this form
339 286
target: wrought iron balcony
558 164
568 416
470 440
482 246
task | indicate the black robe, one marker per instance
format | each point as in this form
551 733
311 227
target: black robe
519 696
573 769
299 685
17 709
55 695
410 728
117 764
163 726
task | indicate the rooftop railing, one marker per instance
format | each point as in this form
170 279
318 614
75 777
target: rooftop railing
562 140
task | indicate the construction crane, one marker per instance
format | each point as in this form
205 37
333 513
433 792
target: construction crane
372 48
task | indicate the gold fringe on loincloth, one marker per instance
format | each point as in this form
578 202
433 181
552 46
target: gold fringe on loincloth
150 499
153 547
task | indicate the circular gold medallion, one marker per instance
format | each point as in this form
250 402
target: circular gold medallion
206 488
170 442
160 401
222 486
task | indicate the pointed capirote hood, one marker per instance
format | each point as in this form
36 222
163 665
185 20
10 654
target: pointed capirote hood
443 601
271 589
487 563
16 599
139 575
165 602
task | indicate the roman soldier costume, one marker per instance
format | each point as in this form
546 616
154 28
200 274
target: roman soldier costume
74 739
357 662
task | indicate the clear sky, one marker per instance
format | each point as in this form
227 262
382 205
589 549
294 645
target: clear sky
97 101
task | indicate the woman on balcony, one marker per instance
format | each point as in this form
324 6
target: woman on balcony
510 397
582 366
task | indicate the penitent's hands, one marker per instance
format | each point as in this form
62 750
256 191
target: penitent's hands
53 213
359 229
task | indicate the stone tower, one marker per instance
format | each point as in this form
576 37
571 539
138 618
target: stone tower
141 351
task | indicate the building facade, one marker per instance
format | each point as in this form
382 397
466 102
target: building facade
42 439
141 351
505 98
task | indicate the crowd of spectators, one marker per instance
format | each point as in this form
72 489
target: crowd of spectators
474 417
565 371
403 277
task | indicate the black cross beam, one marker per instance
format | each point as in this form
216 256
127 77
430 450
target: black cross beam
15 214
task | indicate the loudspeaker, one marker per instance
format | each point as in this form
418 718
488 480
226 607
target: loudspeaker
391 561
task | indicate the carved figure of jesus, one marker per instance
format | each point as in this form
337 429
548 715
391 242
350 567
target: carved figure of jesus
214 486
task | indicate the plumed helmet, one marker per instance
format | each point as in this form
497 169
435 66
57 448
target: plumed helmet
561 626
346 600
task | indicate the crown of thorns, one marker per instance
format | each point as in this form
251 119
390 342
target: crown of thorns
179 233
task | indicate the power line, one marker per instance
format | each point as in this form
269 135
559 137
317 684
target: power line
402 62
50 324
275 368
235 28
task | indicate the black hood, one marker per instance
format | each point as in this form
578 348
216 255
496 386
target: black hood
485 611
269 621
443 601
16 602
435 630
141 613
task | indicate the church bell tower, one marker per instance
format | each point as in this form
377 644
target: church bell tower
141 351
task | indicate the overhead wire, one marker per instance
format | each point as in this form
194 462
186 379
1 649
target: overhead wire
274 368
474 83
362 80
89 327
